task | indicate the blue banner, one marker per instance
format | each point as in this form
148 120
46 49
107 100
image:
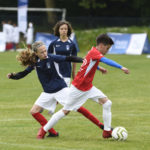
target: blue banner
22 3
121 43
48 38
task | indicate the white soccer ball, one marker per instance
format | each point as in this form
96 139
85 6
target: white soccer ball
119 134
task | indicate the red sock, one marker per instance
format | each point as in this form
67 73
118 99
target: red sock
90 116
42 120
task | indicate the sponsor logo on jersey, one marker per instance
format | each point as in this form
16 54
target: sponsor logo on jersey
48 65
57 45
67 47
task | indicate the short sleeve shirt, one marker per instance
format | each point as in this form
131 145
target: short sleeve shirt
84 77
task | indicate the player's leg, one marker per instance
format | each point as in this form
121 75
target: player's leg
99 97
54 119
106 103
72 102
35 112
90 116
86 113
44 101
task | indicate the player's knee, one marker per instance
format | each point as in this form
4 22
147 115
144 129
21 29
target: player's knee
33 111
66 112
107 104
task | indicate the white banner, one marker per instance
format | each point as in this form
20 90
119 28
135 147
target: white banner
22 15
136 44
2 42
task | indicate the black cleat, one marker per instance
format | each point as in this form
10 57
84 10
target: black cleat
101 126
53 135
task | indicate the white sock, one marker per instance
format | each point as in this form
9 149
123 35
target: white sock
54 119
107 115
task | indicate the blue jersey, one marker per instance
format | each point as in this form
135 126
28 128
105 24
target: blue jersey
67 48
48 73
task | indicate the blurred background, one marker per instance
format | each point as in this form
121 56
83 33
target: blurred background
84 13
123 16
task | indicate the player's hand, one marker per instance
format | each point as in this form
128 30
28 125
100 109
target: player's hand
9 75
103 70
125 70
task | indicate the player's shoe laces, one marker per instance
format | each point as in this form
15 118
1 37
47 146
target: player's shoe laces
107 134
41 133
53 135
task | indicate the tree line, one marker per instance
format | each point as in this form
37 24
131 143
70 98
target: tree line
98 8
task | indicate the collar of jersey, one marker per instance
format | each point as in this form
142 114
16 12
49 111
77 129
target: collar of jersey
65 41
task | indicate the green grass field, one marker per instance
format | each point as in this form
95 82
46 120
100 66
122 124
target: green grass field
131 109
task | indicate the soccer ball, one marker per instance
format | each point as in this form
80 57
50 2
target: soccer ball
119 134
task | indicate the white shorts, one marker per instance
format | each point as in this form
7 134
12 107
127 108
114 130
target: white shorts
76 97
67 80
49 100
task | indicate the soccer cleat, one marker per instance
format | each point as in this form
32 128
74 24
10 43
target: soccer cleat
107 134
41 133
53 135
102 127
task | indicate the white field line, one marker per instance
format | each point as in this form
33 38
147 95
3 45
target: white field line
37 147
28 119
15 119
70 117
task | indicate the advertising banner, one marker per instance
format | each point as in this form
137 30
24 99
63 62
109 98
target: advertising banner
22 15
134 44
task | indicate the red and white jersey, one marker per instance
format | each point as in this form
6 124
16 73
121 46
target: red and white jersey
84 77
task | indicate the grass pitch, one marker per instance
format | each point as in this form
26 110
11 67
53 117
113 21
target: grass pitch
131 108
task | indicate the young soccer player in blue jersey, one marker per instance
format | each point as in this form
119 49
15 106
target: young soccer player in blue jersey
55 88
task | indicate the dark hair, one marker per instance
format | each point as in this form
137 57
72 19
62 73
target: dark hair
105 39
60 23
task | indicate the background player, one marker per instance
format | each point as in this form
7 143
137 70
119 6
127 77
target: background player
82 88
64 46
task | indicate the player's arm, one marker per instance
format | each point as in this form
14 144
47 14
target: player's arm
19 75
60 58
74 59
114 64
101 69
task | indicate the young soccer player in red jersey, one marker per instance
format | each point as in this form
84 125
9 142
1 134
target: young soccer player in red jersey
82 88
